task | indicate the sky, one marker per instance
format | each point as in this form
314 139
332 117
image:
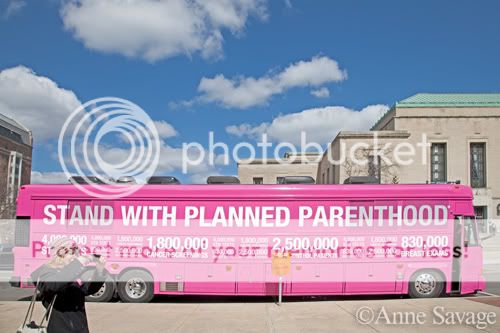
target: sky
238 68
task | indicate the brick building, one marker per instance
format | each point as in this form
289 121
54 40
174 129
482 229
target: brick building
16 144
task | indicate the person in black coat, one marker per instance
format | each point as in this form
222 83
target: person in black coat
60 276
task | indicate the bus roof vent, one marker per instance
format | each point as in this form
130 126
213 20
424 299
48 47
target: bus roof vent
223 180
297 180
163 180
82 180
362 180
126 180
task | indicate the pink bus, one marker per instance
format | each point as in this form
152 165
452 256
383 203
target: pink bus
419 240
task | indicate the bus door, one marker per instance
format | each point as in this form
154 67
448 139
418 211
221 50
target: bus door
467 256
472 257
457 256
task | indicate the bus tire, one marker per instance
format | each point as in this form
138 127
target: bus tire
135 286
105 294
426 284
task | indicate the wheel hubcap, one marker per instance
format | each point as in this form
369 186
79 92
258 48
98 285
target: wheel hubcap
135 288
425 283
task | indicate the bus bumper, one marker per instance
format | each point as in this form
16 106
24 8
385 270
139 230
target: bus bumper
15 282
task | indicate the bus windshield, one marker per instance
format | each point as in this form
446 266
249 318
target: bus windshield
470 232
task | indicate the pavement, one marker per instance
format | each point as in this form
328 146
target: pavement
292 316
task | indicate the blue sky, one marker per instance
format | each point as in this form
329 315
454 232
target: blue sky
386 50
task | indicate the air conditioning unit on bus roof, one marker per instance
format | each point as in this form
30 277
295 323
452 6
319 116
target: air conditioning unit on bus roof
83 180
362 180
297 180
126 180
223 180
457 182
163 180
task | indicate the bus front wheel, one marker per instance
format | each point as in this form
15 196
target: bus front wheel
135 286
426 284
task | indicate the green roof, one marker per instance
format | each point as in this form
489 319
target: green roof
451 100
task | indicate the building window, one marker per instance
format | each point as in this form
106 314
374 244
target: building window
258 180
328 176
478 165
14 173
15 164
438 163
481 213
280 180
498 210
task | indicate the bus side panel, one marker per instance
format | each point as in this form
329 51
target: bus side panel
250 279
317 279
213 278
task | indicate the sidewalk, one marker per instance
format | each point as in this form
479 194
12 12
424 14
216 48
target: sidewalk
317 316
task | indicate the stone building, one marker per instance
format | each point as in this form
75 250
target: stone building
455 137
271 171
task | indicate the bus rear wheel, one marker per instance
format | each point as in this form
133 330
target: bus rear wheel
105 293
135 286
426 284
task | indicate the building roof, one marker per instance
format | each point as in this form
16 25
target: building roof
15 131
451 100
371 134
300 157
457 100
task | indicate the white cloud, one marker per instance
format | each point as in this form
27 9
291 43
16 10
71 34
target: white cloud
247 130
157 29
40 177
241 93
317 71
321 125
245 92
322 92
35 101
13 7
165 130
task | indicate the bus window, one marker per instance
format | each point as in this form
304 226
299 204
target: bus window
470 233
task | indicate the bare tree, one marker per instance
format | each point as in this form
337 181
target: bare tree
374 162
7 214
8 197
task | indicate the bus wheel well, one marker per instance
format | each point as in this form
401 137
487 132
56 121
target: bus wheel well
440 272
128 269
